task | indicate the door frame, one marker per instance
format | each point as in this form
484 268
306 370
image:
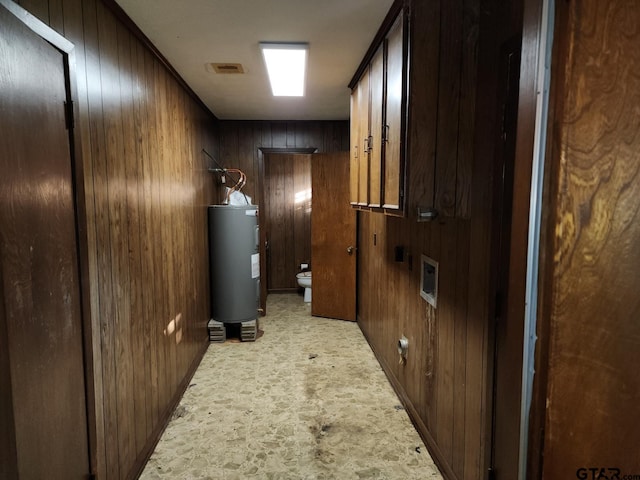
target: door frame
262 250
92 356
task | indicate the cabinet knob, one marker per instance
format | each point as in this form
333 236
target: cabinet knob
350 249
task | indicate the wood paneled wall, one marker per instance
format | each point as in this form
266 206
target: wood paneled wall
240 141
589 323
446 381
147 187
287 208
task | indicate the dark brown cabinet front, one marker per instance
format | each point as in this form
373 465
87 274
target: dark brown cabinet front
376 113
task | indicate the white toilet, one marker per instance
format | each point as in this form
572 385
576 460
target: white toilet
304 280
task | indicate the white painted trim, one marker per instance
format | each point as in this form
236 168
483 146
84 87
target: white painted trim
535 214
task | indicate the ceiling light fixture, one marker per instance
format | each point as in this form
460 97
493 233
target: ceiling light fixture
286 66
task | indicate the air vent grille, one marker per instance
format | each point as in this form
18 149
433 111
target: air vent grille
227 67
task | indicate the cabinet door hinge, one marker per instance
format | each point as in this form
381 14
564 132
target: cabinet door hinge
68 114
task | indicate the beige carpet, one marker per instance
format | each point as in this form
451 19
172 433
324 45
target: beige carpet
307 400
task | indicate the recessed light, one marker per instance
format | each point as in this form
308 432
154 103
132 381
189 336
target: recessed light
286 66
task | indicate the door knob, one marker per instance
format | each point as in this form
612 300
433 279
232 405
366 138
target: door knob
350 249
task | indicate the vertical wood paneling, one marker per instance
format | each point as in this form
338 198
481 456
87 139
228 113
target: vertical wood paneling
8 453
463 249
423 102
467 105
592 305
39 8
147 188
288 213
302 211
446 237
448 106
247 158
279 135
56 15
143 376
116 237
445 379
240 140
134 185
74 31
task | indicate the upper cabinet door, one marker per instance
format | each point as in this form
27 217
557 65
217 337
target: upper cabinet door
363 97
393 159
379 120
376 86
356 149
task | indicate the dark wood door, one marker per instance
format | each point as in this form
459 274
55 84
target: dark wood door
333 238
40 320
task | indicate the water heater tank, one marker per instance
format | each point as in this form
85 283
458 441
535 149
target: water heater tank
234 263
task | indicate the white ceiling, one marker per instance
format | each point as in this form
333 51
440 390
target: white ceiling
193 33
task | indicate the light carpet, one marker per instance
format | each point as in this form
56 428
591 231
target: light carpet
306 400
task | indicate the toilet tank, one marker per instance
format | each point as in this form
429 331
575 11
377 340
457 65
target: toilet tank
234 263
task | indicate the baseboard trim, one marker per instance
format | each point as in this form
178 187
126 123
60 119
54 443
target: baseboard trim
154 438
420 426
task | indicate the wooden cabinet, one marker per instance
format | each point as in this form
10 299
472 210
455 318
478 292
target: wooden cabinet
392 141
377 167
413 105
359 157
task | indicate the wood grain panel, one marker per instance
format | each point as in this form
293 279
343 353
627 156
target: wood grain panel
375 157
101 284
424 38
333 225
302 204
393 158
74 31
288 213
467 105
364 101
356 148
41 301
448 107
594 196
445 381
240 140
147 187
8 453
308 134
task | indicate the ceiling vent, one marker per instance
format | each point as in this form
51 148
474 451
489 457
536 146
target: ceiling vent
227 67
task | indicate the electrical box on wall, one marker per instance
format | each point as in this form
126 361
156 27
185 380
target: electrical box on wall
429 281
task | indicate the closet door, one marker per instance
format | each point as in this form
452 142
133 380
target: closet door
40 309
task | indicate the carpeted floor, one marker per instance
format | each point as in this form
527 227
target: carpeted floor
306 400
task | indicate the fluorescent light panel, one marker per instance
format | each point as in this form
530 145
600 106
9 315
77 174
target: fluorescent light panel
286 66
